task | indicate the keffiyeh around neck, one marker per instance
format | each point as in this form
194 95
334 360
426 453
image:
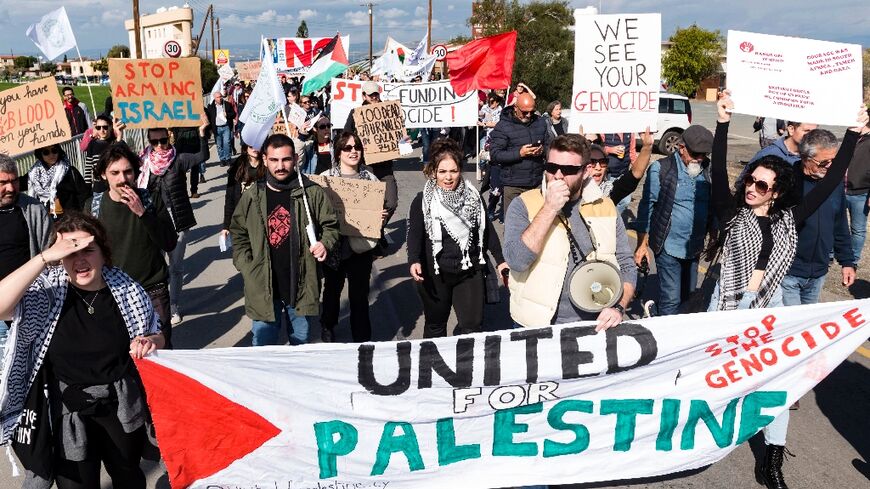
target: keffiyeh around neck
43 181
458 211
154 162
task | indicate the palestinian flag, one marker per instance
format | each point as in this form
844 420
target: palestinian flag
331 62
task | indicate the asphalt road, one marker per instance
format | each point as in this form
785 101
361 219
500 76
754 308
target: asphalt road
829 434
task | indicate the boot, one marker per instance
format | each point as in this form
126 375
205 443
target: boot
770 473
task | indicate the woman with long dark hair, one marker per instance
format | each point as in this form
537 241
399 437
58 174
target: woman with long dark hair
56 183
449 234
352 258
758 240
103 133
246 170
78 327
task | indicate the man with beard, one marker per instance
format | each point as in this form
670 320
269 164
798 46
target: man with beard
25 224
76 112
552 231
276 251
673 216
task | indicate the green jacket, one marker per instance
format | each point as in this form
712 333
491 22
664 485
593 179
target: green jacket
251 248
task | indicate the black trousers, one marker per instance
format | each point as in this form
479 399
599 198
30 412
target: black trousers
357 269
159 295
107 443
464 291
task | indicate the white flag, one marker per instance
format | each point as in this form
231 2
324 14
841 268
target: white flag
263 105
53 34
423 69
390 63
418 54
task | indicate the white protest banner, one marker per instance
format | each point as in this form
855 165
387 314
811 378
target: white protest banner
293 55
433 104
551 405
358 203
617 68
346 95
794 79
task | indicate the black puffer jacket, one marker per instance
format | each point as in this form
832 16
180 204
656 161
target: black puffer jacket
172 186
504 149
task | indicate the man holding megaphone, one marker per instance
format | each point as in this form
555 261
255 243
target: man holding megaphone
566 246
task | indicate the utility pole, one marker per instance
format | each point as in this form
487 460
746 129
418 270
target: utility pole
219 32
429 30
136 29
369 5
211 9
208 13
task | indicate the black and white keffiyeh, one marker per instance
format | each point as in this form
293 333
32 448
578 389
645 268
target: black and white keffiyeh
459 210
33 324
43 180
740 254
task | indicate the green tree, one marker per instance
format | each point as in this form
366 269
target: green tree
545 46
302 31
49 67
207 73
118 51
459 40
25 62
102 65
693 56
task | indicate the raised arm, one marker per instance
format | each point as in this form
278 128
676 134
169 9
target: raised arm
721 194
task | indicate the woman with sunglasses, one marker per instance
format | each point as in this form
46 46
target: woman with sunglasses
627 183
758 240
103 133
449 235
352 257
77 328
317 152
246 170
56 183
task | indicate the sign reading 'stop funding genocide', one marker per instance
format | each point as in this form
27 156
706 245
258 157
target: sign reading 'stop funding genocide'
31 117
617 72
157 92
380 127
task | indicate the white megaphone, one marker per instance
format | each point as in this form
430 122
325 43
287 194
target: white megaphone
594 286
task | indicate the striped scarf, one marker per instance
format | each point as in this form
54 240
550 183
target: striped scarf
43 181
459 211
740 254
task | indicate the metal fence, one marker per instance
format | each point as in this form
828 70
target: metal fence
135 138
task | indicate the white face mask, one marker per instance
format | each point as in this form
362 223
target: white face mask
693 169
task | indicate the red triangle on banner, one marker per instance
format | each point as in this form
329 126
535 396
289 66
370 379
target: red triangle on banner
338 54
200 432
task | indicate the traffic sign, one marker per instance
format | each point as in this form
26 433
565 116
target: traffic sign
172 49
221 56
440 51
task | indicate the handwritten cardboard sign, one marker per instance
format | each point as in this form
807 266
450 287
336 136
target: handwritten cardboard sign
380 127
358 204
31 117
794 79
617 72
248 70
157 92
433 104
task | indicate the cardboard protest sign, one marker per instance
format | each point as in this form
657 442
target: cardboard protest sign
794 79
358 204
248 70
157 92
225 72
617 72
433 104
551 405
293 55
31 117
380 127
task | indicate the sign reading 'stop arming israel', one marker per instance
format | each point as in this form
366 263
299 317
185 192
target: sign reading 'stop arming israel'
552 405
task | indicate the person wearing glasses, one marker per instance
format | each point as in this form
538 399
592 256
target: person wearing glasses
758 237
552 231
317 151
164 172
673 217
628 182
351 259
56 183
103 133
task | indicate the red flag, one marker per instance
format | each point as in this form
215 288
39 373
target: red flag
486 63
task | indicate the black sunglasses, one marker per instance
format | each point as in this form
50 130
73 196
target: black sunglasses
349 147
567 170
525 112
101 128
598 161
760 185
323 126
49 151
155 142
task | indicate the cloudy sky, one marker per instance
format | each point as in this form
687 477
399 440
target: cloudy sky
98 24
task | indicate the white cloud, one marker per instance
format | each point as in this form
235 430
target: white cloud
357 18
450 7
305 14
113 17
421 11
390 13
270 16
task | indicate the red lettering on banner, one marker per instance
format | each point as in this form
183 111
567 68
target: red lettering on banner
853 317
808 337
831 330
292 52
730 372
788 351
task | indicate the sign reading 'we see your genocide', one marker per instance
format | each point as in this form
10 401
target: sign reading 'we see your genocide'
380 127
31 117
617 72
794 79
157 92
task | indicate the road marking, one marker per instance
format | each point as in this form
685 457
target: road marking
742 137
864 351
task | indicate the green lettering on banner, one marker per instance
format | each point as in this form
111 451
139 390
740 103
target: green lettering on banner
581 433
626 411
405 443
751 419
668 424
448 451
504 427
328 449
700 410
